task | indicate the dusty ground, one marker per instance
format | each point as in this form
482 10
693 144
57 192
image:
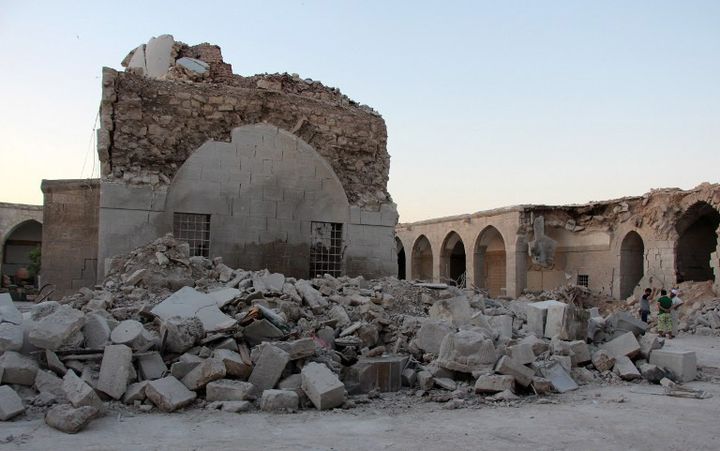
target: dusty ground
610 417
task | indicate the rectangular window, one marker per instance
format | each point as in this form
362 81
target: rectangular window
583 280
326 249
195 229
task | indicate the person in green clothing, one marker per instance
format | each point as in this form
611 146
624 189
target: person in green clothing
664 319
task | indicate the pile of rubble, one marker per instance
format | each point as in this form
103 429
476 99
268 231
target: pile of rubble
166 331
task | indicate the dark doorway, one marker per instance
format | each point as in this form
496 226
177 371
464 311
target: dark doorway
401 259
697 230
632 255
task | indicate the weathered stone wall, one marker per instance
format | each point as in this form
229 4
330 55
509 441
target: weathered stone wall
70 234
12 216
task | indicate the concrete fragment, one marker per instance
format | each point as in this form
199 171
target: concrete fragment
493 383
17 368
582 375
11 337
235 365
54 364
48 382
467 351
224 296
66 418
602 360
425 380
261 330
625 322
96 331
338 314
408 377
580 352
625 368
431 334
455 310
115 370
151 366
522 353
322 386
78 392
648 343
541 385
10 403
522 374
682 364
312 297
536 313
380 373
298 349
564 360
236 406
503 324
566 321
169 394
133 334
52 330
181 369
158 55
8 311
268 282
538 344
559 378
135 392
230 390
279 400
207 371
188 303
181 334
505 395
445 383
270 364
624 345
652 373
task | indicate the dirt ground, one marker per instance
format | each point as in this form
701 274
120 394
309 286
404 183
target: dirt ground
594 417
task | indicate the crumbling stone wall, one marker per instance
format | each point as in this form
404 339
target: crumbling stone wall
70 234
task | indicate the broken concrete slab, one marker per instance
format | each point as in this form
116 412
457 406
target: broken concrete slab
503 324
261 330
180 334
455 310
625 322
602 360
115 370
230 390
158 55
133 334
298 349
279 400
338 314
536 313
580 352
151 366
181 369
189 303
135 392
8 311
312 297
54 364
10 403
522 353
96 331
380 373
207 371
625 368
682 364
79 393
652 373
322 386
425 380
467 351
430 335
48 382
566 322
66 418
270 364
17 368
51 331
11 337
538 344
235 365
522 374
624 345
268 282
493 383
169 394
559 378
648 343
224 296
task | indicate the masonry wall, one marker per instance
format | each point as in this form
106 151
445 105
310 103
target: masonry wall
11 217
70 234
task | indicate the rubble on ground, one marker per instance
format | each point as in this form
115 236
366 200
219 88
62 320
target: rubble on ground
167 331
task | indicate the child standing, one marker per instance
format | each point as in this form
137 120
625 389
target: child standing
664 319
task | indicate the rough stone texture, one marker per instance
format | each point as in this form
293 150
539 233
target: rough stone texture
17 368
431 334
70 420
96 331
624 345
181 334
115 370
10 403
279 400
559 378
467 351
48 382
207 371
493 383
261 330
133 334
298 349
625 368
235 365
522 374
625 322
135 392
322 386
11 337
522 353
648 343
270 364
682 364
580 352
383 374
169 394
188 303
602 360
79 393
652 373
52 330
151 366
230 390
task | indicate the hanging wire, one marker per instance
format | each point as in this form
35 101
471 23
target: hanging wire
91 148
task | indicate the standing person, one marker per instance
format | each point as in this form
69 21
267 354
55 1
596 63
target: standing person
664 319
645 304
674 313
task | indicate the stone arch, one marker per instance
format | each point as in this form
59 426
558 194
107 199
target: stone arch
453 259
269 198
491 261
632 263
697 232
17 245
422 259
401 259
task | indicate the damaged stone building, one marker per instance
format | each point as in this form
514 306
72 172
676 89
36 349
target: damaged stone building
268 171
20 233
660 239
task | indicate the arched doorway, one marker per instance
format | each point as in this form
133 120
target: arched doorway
400 249
697 231
422 259
25 239
632 267
452 260
491 262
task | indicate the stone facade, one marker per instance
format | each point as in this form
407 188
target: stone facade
70 235
660 239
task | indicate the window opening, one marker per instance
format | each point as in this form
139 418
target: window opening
195 229
326 249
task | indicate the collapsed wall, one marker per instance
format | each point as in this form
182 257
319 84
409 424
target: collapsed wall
279 172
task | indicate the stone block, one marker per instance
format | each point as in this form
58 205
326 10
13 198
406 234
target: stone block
625 322
230 390
8 311
682 364
10 403
425 380
322 386
261 330
135 392
79 393
312 297
536 313
522 353
624 345
580 352
652 373
602 360
408 377
54 364
11 337
224 296
169 394
467 351
190 303
68 419
207 371
625 368
17 368
567 322
648 343
522 374
431 334
541 385
235 365
48 382
181 369
151 366
494 383
271 363
559 378
446 383
181 334
380 373
503 324
132 334
51 331
279 400
96 331
115 370
538 344
298 349
455 310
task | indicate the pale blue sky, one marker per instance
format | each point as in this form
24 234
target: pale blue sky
487 104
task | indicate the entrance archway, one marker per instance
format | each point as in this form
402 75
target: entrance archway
698 238
400 249
490 262
452 259
632 255
422 259
24 239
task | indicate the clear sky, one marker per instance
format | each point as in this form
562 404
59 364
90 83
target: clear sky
487 103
